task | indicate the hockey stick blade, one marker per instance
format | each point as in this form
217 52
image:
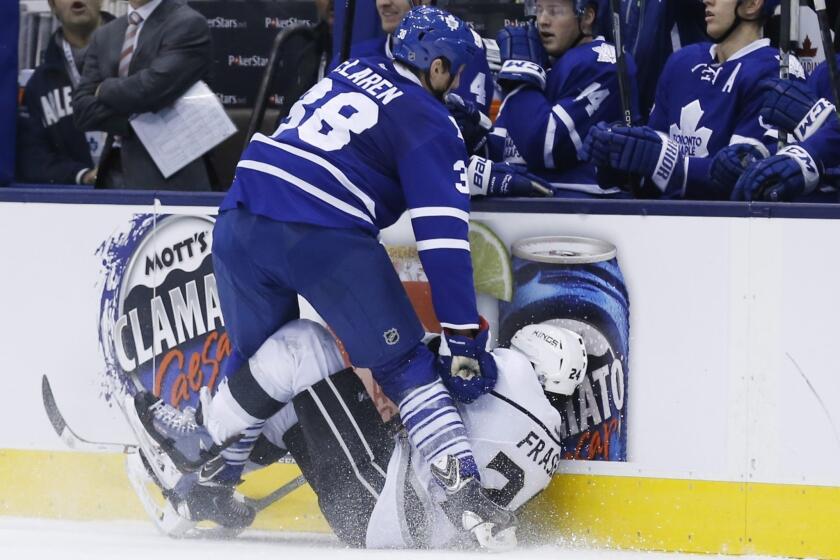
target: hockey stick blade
67 435
278 494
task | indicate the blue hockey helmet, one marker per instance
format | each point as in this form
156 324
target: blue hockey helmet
602 24
427 33
769 7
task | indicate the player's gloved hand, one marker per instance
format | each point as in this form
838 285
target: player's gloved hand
489 178
638 150
523 57
784 176
793 107
730 163
466 367
473 123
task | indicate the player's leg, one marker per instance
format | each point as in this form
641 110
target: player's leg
342 448
358 293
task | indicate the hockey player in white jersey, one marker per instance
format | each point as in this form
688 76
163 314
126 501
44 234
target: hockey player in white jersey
371 485
709 96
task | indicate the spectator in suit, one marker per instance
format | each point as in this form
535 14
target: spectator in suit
138 63
51 149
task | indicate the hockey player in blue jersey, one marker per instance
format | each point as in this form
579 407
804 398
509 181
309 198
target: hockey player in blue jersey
708 97
546 115
474 93
368 142
800 171
654 30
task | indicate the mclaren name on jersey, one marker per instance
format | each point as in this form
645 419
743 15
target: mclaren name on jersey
369 81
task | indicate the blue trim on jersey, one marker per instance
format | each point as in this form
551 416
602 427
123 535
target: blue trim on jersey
624 207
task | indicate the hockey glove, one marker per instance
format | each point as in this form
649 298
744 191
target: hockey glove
474 124
466 367
730 163
788 174
488 178
639 150
794 108
523 57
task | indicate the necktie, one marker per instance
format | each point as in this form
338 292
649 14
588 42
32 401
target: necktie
134 21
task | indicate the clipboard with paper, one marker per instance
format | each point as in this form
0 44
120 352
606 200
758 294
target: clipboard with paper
184 131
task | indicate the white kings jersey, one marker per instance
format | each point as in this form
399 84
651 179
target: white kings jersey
514 433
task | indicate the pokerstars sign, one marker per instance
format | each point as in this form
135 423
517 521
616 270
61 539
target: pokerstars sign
161 325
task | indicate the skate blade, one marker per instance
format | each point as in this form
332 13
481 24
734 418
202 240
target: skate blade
164 468
483 531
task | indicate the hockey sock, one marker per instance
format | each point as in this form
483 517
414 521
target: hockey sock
236 454
435 427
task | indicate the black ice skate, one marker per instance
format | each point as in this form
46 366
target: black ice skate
176 432
206 496
469 507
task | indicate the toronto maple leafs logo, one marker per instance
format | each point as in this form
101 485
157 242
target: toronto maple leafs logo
693 141
606 53
452 22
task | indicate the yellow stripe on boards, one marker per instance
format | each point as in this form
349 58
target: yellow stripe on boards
599 511
699 516
94 486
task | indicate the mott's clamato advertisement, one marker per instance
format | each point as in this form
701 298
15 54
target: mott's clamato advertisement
161 325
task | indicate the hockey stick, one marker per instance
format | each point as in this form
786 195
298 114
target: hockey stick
347 31
289 487
828 50
74 441
785 40
621 64
70 438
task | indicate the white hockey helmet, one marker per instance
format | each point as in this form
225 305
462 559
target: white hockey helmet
558 354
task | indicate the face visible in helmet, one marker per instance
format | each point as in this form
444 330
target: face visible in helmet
559 26
442 78
720 16
391 12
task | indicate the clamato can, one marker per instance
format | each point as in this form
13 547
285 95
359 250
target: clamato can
576 283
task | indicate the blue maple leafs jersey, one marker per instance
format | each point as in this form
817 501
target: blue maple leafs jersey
475 85
705 106
545 130
654 30
823 145
820 82
360 148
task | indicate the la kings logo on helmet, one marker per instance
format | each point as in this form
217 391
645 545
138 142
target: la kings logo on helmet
161 325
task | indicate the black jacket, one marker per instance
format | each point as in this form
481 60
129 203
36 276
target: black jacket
50 148
173 52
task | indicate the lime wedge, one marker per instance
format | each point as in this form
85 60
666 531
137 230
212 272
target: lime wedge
492 273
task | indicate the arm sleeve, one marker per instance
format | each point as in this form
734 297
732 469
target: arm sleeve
433 176
38 160
549 129
823 144
184 57
89 112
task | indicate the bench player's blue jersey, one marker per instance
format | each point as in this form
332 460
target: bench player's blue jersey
823 145
545 130
475 85
360 148
654 30
820 82
705 106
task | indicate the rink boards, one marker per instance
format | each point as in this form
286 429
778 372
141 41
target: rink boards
732 402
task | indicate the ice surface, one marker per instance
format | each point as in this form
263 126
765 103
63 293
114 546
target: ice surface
36 539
